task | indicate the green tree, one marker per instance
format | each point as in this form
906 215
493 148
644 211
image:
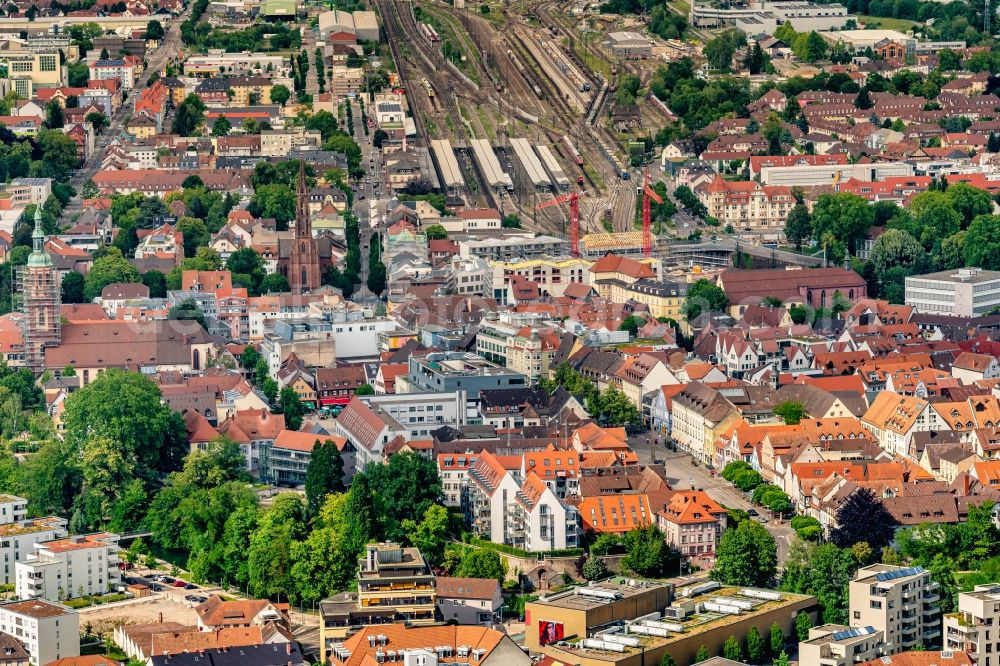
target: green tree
798 226
782 658
125 410
435 232
790 411
364 389
221 126
756 648
73 288
823 570
58 155
896 248
704 296
594 568
280 94
631 324
292 408
98 120
936 218
968 201
274 283
776 638
732 649
108 269
187 310
54 118
154 30
719 51
982 243
317 566
324 475
408 485
269 557
846 216
648 554
702 655
482 563
430 534
803 623
274 201
667 660
747 555
189 116
51 479
863 100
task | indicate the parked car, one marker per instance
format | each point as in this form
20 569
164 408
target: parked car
752 512
191 597
180 583
156 588
190 586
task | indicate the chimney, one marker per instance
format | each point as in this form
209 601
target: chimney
288 648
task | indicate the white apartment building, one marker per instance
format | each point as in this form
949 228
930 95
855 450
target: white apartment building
552 275
79 565
18 535
524 514
47 630
901 602
837 645
967 292
453 468
975 628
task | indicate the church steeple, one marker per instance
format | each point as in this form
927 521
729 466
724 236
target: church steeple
303 221
38 257
303 271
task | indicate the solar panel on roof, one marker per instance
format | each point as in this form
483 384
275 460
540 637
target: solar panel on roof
898 573
853 633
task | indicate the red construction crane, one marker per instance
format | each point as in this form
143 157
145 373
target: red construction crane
574 217
647 232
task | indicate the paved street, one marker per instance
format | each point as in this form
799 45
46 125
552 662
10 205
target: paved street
683 474
170 47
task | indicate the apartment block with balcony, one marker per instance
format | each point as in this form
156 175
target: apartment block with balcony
901 602
75 566
398 579
18 535
48 631
524 514
975 628
838 645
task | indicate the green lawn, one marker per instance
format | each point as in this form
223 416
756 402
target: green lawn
887 23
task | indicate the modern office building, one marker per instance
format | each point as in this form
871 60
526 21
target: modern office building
901 602
447 372
966 292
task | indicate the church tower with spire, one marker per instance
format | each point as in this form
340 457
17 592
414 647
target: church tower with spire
40 300
303 259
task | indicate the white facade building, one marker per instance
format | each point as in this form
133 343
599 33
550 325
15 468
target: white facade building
47 630
900 602
975 628
967 292
75 566
18 535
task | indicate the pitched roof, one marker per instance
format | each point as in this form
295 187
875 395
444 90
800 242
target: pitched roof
305 441
954 658
400 637
688 507
616 513
216 612
467 588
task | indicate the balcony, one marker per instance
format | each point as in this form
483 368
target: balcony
931 633
931 597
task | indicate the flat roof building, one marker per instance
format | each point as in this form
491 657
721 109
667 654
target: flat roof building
901 602
838 645
973 629
966 292
626 622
